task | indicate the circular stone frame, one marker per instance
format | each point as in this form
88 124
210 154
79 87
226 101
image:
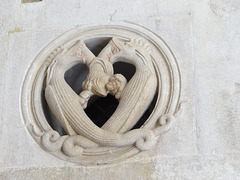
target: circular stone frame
169 87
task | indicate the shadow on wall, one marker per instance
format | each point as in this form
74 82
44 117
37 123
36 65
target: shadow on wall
30 1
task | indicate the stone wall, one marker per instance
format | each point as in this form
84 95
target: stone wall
204 36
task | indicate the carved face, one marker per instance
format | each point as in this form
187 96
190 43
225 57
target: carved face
116 85
98 85
104 84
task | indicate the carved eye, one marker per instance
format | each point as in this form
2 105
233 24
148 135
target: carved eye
128 45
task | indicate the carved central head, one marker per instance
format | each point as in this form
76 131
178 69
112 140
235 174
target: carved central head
101 81
101 84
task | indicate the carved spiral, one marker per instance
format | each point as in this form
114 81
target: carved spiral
52 141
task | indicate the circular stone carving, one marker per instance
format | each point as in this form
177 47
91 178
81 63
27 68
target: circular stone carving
86 143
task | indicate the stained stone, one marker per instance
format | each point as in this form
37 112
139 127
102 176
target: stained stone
204 37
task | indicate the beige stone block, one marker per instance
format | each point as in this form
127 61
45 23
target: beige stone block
3 54
216 29
9 14
197 167
218 101
118 171
62 14
191 167
174 6
18 149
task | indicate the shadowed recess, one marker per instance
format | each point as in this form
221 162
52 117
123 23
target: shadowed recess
126 69
75 77
147 113
100 109
97 44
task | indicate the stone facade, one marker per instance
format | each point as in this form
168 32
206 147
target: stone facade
203 35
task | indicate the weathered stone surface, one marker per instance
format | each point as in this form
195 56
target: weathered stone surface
216 30
204 36
17 145
3 52
9 16
218 125
195 167
75 12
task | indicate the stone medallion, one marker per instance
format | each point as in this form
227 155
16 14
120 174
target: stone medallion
77 69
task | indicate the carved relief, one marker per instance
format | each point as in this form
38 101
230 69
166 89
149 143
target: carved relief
85 142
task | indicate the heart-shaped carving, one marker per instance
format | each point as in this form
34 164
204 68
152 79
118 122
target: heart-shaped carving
134 96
